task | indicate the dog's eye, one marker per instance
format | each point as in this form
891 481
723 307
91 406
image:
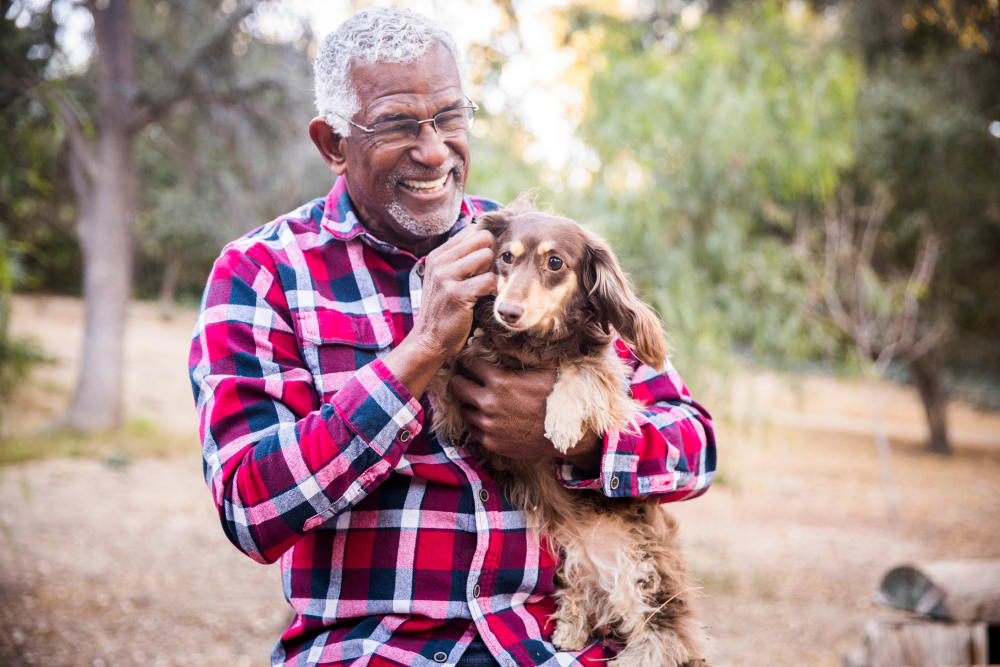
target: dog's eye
507 257
555 263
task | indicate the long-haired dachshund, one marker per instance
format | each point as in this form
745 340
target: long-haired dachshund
562 299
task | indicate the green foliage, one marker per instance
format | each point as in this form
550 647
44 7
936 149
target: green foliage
233 156
216 168
17 356
711 147
36 209
923 131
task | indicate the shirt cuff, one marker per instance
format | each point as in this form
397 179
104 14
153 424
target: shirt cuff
619 462
376 406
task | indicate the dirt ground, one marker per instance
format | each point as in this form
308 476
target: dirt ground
125 564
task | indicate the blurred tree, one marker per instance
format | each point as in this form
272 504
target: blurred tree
880 314
139 80
34 214
17 355
711 139
27 177
923 116
208 168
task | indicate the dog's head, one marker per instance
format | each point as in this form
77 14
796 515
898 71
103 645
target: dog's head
555 276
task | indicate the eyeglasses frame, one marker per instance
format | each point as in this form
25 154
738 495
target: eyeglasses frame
471 105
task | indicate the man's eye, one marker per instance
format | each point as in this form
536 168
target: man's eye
555 263
507 257
394 128
452 121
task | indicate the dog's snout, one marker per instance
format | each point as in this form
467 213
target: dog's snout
509 312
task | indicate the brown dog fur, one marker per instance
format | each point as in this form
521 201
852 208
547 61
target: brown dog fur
622 574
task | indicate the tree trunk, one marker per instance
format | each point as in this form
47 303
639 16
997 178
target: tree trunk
884 449
926 371
168 285
106 235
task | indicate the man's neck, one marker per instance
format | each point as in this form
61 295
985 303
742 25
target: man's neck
416 246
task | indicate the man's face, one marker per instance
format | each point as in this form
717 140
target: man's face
407 196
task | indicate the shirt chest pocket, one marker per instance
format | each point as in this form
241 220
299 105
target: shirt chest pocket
335 344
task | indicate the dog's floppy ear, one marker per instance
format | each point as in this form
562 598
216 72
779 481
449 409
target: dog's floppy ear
495 222
609 291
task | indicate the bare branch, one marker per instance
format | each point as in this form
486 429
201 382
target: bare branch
183 86
923 271
830 269
238 95
934 337
72 122
880 315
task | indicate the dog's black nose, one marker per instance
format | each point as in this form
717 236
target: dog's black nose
509 313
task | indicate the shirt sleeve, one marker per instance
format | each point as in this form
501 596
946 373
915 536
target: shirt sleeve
672 456
278 462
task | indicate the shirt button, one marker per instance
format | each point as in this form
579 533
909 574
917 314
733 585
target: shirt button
404 435
475 591
484 495
440 656
420 269
614 483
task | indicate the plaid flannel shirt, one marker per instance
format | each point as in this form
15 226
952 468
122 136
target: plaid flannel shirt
396 548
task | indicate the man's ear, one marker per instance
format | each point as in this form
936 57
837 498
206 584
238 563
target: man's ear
330 145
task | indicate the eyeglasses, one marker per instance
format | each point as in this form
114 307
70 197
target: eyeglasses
402 132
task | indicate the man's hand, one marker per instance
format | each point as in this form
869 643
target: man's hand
456 274
506 412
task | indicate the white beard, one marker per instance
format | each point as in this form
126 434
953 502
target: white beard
433 225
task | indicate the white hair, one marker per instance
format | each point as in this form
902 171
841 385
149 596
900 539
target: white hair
377 35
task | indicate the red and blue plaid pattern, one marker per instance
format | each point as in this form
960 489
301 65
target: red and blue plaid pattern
395 548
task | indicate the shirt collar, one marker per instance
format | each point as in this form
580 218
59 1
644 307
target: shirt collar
343 223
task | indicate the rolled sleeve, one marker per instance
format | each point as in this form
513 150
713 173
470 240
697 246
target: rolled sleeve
670 455
377 406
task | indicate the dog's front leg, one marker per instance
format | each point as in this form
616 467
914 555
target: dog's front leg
566 409
447 422
588 394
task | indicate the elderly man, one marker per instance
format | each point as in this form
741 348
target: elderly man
317 337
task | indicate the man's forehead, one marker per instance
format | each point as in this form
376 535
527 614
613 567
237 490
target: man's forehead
432 78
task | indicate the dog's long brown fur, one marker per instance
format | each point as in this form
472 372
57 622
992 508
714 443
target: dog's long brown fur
622 575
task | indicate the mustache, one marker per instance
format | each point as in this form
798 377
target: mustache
414 172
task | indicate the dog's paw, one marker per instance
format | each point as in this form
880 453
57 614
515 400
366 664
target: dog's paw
563 430
570 637
566 410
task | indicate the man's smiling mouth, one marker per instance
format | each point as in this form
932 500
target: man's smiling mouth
426 186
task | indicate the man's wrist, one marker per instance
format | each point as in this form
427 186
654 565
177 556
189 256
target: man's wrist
414 363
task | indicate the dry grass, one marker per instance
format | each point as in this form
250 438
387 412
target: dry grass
126 564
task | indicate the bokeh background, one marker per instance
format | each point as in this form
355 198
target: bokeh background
807 191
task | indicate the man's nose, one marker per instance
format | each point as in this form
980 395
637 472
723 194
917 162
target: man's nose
429 148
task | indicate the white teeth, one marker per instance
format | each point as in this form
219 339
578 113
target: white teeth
426 185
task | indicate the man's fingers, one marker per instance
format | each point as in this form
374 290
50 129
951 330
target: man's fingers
478 368
473 264
481 285
465 390
466 241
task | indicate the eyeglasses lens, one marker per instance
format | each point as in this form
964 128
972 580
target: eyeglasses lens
398 133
